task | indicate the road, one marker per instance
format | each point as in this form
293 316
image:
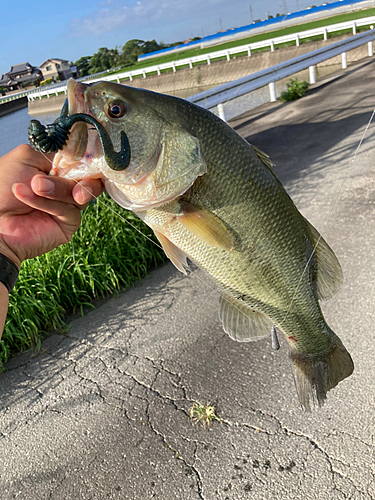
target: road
103 411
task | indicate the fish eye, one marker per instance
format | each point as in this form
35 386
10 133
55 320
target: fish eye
116 109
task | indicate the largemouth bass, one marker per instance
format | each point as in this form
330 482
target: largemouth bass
214 199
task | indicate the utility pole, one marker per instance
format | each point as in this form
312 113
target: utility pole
221 25
285 8
297 6
251 15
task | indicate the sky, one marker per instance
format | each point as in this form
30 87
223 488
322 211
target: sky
35 31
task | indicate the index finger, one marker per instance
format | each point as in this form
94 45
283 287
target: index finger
67 190
28 156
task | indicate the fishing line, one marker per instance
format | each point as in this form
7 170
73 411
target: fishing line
187 268
328 217
190 272
111 209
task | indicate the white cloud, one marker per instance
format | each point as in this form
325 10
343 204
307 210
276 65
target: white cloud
113 14
100 21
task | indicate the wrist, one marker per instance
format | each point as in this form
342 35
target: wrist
3 289
8 273
7 252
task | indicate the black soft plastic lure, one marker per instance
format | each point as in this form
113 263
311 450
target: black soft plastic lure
52 138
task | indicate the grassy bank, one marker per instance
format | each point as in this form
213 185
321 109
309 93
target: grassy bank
340 18
105 255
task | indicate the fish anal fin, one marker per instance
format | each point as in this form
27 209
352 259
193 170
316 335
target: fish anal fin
206 226
174 254
315 376
329 277
242 323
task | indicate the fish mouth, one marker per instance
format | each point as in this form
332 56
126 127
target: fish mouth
76 97
75 160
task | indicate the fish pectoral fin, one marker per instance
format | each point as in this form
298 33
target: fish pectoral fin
242 323
329 277
206 226
174 254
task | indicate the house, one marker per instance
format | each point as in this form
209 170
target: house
75 71
57 69
21 75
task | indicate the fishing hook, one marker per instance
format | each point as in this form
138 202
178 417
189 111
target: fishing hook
52 138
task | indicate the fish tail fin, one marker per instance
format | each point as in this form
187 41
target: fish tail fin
315 375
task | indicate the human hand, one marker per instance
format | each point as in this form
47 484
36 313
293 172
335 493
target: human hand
38 212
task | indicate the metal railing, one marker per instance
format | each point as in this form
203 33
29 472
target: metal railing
218 96
272 43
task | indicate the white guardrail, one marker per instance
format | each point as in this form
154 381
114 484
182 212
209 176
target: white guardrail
272 43
232 90
49 88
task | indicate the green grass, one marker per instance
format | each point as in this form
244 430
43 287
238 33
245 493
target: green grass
105 255
295 89
205 414
352 16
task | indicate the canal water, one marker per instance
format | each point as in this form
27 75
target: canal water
13 128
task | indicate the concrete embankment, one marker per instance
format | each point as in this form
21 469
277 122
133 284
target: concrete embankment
187 82
9 107
46 105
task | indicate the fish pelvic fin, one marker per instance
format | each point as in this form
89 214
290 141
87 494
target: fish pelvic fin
242 323
315 375
206 226
328 278
174 254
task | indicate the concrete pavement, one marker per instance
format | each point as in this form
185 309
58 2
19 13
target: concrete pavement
102 412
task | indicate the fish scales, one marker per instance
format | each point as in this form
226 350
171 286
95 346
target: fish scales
214 199
256 270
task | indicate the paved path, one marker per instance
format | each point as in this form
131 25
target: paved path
103 411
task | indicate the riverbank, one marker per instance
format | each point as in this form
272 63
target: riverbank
46 105
9 107
186 82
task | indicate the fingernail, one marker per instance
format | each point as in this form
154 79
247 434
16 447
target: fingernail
22 190
86 194
45 186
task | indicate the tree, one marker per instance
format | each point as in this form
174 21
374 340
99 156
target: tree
103 59
131 50
83 64
134 48
150 46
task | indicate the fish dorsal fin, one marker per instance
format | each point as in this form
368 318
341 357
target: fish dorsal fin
242 323
206 226
264 157
174 254
329 277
